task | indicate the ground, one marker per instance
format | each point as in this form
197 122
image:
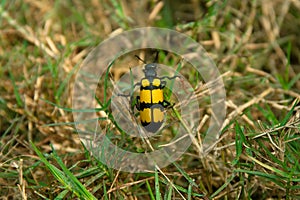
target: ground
255 47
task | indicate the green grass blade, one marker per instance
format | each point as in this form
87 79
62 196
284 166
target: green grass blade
78 122
65 177
293 81
81 190
289 114
271 156
64 83
71 109
106 78
150 190
190 180
54 170
62 195
105 191
273 169
182 189
16 90
172 82
239 140
275 179
190 192
157 190
168 194
220 189
268 114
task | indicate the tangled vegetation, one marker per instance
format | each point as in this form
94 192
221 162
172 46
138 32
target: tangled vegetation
255 46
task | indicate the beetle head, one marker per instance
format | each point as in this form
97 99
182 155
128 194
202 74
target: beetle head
150 70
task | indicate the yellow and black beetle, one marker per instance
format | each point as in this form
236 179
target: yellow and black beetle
151 103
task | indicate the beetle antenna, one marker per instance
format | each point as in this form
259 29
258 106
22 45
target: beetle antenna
156 57
140 59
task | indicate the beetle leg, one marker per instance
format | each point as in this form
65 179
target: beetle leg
170 78
129 95
137 84
163 84
167 104
137 105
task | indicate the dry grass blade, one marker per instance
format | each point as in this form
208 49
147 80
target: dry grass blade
28 34
254 45
241 108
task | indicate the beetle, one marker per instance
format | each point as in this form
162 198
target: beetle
151 103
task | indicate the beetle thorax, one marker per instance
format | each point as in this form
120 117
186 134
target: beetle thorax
150 70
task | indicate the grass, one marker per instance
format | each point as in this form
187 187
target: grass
255 46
